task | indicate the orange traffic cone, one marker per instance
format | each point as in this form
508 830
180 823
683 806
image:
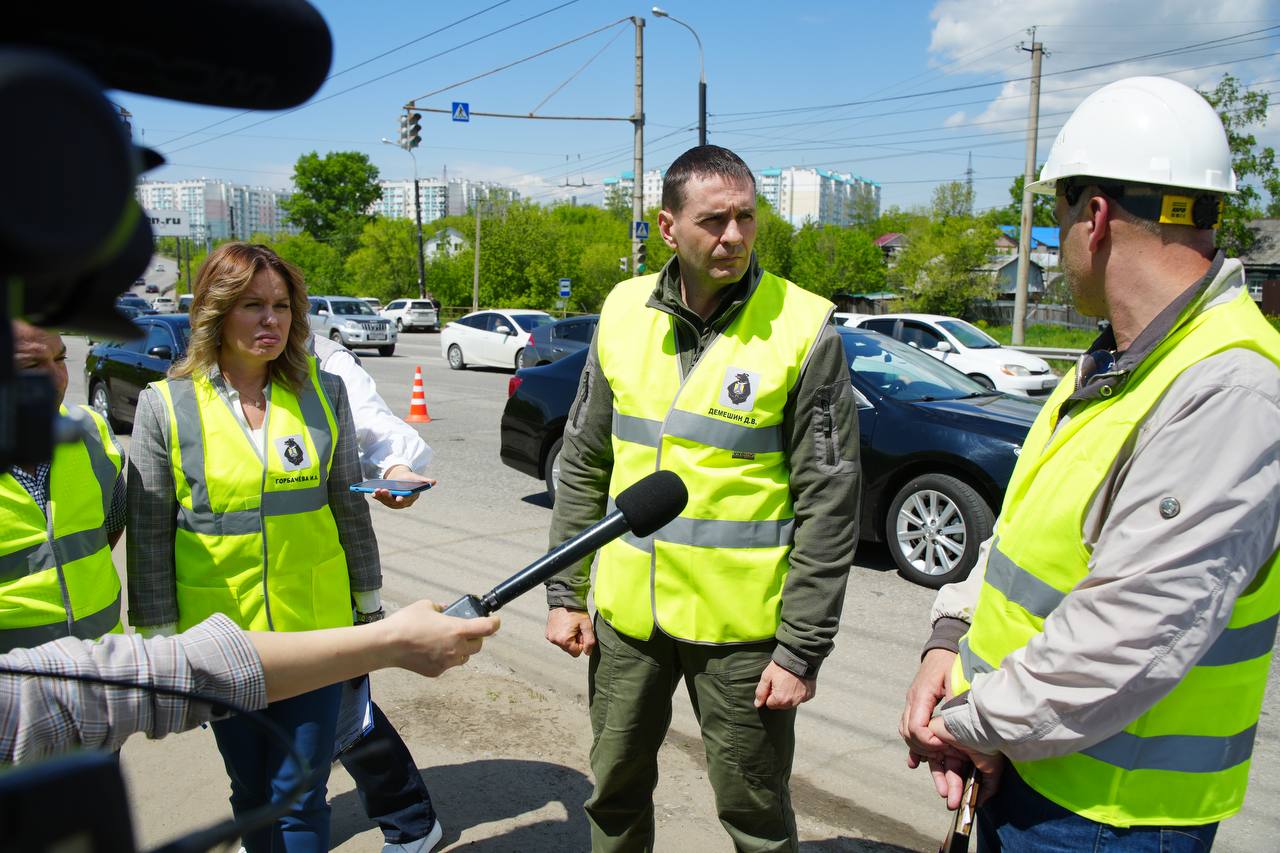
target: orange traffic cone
418 402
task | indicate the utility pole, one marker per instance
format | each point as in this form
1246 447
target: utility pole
475 272
637 193
417 214
1028 203
968 185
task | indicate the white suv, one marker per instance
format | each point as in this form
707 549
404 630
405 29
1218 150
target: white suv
352 323
410 314
969 350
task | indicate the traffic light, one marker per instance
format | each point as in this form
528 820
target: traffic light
404 131
623 264
641 251
415 130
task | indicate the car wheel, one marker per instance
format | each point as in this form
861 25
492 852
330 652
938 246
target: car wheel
335 336
983 381
552 472
934 528
455 357
387 351
100 402
520 359
399 325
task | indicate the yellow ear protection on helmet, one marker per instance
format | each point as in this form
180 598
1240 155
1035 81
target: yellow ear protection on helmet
1158 204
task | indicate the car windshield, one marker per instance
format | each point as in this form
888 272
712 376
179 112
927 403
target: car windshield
904 373
969 336
349 308
529 322
421 306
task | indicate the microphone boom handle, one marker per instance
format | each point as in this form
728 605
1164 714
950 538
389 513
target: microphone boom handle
566 554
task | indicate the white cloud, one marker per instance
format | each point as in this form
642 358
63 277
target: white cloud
1093 32
955 119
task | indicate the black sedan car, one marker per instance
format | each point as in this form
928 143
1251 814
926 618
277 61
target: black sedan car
554 341
937 448
115 372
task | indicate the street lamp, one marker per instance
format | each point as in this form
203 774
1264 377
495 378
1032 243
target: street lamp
659 12
417 213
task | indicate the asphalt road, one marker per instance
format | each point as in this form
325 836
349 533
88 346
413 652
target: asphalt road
502 742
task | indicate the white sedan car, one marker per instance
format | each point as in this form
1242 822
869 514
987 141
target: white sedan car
969 350
496 338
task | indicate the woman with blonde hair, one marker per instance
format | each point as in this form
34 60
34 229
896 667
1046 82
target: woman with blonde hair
239 503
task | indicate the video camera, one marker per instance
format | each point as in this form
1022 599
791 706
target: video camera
73 237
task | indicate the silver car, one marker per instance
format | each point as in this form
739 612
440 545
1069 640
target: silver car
352 323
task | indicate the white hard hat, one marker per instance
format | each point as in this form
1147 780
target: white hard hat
1145 130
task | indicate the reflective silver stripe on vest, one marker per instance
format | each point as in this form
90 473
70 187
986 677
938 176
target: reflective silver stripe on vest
708 431
1236 645
88 628
1019 585
636 430
1179 753
970 663
295 501
208 523
717 533
313 415
103 470
186 412
40 556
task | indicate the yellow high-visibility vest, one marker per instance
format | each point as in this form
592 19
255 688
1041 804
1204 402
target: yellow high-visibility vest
256 542
1186 760
56 575
714 574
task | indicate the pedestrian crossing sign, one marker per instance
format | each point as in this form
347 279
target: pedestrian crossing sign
461 111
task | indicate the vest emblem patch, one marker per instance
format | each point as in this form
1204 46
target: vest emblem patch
293 452
738 390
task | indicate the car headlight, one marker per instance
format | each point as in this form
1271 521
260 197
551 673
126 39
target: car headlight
351 324
1015 370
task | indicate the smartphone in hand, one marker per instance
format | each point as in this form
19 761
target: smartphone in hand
395 487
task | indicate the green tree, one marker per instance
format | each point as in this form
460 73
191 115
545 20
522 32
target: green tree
954 198
1240 111
321 264
774 239
385 264
1041 207
331 195
939 271
827 259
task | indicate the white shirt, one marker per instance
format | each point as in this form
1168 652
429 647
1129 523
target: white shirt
384 439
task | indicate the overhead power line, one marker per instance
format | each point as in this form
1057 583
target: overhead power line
391 73
360 64
969 87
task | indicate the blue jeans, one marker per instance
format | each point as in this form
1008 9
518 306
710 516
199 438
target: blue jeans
1019 820
390 787
261 770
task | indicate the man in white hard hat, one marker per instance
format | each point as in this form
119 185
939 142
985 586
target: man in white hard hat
1105 663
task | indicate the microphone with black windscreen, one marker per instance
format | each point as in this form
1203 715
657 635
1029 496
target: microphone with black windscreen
642 508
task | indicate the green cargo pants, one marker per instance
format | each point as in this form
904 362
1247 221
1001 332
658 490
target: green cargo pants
749 750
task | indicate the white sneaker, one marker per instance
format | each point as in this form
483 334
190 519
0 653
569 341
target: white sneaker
423 845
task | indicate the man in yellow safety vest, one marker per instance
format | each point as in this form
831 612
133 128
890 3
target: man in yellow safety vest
1105 663
736 380
60 520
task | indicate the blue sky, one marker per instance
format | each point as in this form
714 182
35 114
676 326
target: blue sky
774 71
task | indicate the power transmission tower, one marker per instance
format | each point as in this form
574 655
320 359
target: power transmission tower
1028 178
968 185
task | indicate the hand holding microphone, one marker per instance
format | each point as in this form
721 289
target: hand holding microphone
642 508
